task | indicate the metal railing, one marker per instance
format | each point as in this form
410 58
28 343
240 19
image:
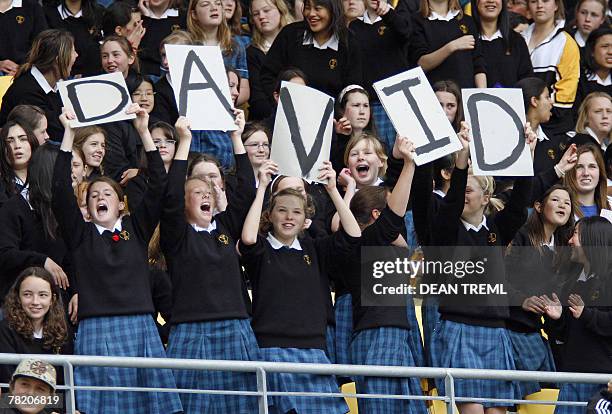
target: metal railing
261 369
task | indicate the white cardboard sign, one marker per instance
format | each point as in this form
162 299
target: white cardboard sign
416 114
200 87
96 99
497 121
302 131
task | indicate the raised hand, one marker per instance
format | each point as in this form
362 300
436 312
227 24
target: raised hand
576 305
553 306
326 172
266 171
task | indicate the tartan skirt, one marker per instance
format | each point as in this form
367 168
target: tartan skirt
384 128
531 353
286 382
231 339
458 345
576 392
343 310
416 342
330 343
431 321
386 346
129 336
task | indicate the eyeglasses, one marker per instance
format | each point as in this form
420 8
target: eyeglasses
263 145
159 142
148 94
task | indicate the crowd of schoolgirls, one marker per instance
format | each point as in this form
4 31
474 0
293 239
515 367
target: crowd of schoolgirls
145 238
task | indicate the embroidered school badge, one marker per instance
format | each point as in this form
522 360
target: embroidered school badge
492 238
307 259
595 295
381 30
463 28
175 27
562 146
223 239
551 154
20 19
333 63
124 235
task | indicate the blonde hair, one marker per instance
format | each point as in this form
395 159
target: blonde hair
453 5
487 184
583 111
224 34
376 144
285 18
178 37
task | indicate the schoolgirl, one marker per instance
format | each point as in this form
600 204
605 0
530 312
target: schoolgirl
17 145
124 20
21 23
537 250
472 335
256 140
117 55
595 73
321 46
159 20
384 36
594 123
291 326
555 58
34 321
445 40
30 236
49 61
204 165
449 96
32 118
165 104
353 9
207 25
268 18
584 318
590 15
587 182
503 49
143 93
115 304
381 333
232 11
83 19
91 141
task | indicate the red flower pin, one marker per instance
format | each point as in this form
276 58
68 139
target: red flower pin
115 237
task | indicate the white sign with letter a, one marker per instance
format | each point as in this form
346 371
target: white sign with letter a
302 131
416 114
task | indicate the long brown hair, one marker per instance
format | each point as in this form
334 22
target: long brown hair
601 199
50 51
535 222
368 199
453 5
126 47
224 34
234 21
285 19
55 331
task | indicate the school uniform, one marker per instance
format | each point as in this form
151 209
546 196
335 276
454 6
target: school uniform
165 108
524 261
290 314
123 148
472 332
157 29
384 41
260 106
209 313
19 26
31 88
550 147
23 243
328 67
433 32
115 301
509 63
587 137
590 82
86 32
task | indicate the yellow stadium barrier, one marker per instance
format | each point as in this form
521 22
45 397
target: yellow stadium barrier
352 402
546 394
5 82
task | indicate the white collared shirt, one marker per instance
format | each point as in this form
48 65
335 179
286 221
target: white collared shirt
276 244
527 33
603 82
65 13
482 224
212 226
15 4
551 243
37 334
579 39
116 227
440 193
584 277
449 16
332 42
540 134
366 18
42 82
165 15
496 35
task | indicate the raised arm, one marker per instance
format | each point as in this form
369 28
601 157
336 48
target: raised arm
349 224
250 229
398 201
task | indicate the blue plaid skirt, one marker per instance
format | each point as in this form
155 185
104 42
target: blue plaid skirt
343 310
416 342
281 382
431 321
330 342
384 128
531 353
230 339
576 392
129 336
215 143
458 345
386 346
